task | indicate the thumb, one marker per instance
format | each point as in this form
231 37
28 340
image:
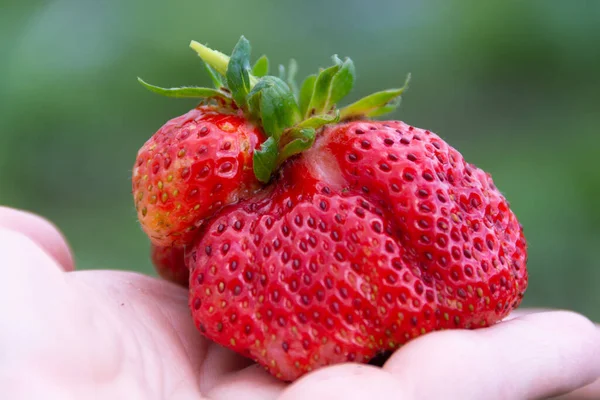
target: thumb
42 232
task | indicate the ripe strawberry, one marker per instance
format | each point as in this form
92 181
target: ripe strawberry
194 165
330 270
364 236
169 263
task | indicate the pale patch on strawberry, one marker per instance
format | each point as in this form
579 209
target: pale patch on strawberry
322 165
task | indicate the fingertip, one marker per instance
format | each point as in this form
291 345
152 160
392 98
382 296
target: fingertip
27 272
530 356
567 343
573 334
346 381
435 362
252 381
589 392
41 231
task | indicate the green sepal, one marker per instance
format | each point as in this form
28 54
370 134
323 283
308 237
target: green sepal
320 120
306 92
290 118
238 72
261 67
291 77
186 91
215 77
272 101
282 72
288 75
331 85
342 82
388 108
321 91
265 160
300 139
374 104
336 59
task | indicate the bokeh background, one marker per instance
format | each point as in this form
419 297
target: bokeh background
515 86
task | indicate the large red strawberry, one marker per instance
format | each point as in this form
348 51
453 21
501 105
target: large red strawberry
365 235
395 236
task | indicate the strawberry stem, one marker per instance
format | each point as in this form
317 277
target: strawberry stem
289 117
216 59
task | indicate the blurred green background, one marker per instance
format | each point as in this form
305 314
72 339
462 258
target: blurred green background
513 85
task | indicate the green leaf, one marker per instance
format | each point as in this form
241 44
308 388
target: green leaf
388 108
300 140
319 120
185 92
306 93
374 104
265 160
331 85
342 82
254 99
370 103
273 103
214 58
320 96
215 77
289 75
261 67
238 72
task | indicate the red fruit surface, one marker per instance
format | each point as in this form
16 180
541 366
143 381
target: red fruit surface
170 265
379 233
193 166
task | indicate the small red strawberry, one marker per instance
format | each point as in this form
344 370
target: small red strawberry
364 235
169 263
194 165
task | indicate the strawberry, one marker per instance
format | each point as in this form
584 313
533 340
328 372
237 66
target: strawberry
169 263
323 270
362 235
192 166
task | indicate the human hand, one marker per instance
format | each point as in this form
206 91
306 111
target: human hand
119 335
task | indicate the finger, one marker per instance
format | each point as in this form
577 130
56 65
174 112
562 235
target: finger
250 383
589 392
348 382
219 362
529 357
526 311
29 274
32 292
40 231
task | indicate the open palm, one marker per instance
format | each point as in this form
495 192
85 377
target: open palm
120 335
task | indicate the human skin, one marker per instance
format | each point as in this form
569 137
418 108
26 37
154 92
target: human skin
70 334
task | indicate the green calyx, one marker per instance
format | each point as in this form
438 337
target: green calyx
289 115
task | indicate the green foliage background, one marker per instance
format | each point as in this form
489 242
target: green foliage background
513 85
